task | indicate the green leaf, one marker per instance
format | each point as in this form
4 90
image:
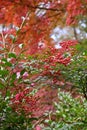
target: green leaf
13 38
22 72
4 60
18 31
85 52
6 63
8 93
3 72
30 57
78 47
13 77
1 85
12 55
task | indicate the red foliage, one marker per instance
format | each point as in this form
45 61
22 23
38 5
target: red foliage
56 56
24 102
75 8
37 27
32 29
47 96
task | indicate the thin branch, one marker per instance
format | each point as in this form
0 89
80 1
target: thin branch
75 35
44 8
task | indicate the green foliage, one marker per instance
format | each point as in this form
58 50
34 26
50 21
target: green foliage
70 114
14 75
19 73
76 71
12 55
11 120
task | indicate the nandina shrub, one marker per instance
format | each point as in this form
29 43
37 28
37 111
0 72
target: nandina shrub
24 102
10 119
17 96
54 60
18 78
70 113
76 71
20 74
17 99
